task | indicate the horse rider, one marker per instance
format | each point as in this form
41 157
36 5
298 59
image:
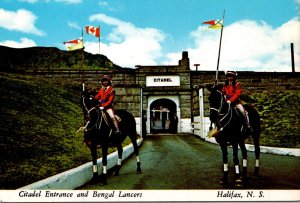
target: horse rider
232 89
106 96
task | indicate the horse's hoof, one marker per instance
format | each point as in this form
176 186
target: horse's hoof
116 170
223 181
115 173
103 180
244 179
239 183
102 183
138 169
94 180
256 172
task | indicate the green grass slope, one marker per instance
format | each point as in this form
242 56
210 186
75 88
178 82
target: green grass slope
50 58
38 135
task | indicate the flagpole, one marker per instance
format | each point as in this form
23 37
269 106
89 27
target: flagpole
82 60
99 39
216 81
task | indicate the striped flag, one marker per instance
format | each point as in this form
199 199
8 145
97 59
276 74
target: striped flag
74 44
93 30
214 24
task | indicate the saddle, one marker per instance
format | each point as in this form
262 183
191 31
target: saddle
238 112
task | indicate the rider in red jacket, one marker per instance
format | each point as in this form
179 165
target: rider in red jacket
106 97
232 89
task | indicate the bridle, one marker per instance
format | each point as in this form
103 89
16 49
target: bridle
222 117
88 113
97 124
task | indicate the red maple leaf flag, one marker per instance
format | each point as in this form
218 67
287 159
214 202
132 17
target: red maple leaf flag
93 30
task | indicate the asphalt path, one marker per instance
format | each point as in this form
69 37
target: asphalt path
184 161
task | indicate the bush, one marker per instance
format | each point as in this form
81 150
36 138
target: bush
279 111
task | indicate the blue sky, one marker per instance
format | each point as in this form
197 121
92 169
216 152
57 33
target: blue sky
256 36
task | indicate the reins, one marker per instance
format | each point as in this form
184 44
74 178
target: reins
88 112
229 112
97 124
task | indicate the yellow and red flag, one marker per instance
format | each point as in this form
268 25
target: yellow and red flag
214 24
74 44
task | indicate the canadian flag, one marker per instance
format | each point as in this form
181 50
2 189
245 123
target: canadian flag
93 30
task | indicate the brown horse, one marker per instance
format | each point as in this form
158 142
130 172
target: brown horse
99 132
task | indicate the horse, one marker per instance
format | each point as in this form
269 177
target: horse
99 132
229 123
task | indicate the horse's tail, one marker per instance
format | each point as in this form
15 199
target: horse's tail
255 123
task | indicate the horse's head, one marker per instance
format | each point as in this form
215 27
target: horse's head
92 125
87 100
88 104
216 100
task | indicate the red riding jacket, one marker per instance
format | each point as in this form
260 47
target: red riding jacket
106 96
233 93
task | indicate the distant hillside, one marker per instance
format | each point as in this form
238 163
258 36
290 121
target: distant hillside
49 58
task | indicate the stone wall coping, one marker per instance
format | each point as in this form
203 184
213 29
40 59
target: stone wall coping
80 175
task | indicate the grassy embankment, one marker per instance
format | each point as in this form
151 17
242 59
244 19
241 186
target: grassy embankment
38 138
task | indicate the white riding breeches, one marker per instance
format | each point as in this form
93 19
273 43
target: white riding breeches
112 116
244 112
110 113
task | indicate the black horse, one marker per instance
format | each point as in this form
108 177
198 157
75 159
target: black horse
229 123
99 132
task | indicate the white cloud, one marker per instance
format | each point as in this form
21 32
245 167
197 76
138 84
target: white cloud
74 25
24 42
128 45
22 20
246 45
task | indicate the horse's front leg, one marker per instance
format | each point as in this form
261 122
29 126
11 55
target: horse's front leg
224 180
118 166
238 180
95 178
103 180
244 154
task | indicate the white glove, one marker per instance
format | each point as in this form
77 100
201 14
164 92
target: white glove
101 108
229 102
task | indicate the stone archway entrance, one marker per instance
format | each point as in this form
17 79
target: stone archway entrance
160 112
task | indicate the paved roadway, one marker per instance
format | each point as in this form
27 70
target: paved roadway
186 162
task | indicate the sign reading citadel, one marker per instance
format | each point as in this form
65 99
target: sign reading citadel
162 81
